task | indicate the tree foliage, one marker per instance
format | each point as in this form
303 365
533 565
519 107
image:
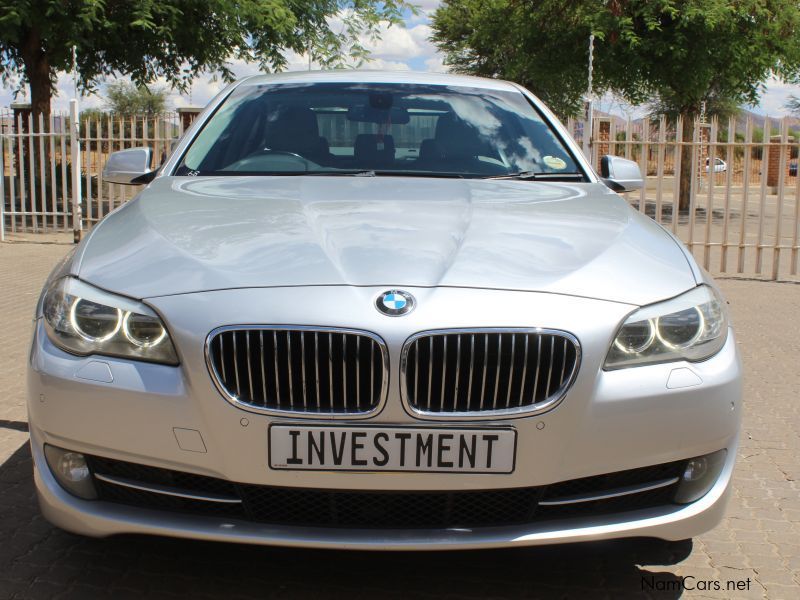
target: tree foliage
677 54
126 99
793 105
680 52
176 39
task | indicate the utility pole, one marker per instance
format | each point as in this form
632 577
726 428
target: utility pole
588 106
703 154
75 72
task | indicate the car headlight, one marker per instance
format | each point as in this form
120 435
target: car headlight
82 319
691 327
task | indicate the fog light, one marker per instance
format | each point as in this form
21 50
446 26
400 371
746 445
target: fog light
699 476
696 468
71 471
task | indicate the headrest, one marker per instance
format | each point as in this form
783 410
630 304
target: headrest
369 144
457 138
293 129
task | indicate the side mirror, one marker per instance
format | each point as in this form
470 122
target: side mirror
129 167
621 174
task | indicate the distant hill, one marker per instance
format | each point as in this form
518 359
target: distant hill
758 120
741 120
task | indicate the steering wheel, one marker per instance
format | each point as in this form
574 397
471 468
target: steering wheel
254 160
279 152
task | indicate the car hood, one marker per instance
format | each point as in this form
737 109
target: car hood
189 234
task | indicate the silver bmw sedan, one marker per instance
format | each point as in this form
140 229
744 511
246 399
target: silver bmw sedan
374 310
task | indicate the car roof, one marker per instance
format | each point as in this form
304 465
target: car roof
370 76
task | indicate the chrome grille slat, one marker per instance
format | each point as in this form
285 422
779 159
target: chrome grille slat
222 353
330 368
484 372
416 374
444 375
249 364
525 371
344 368
289 365
236 367
550 369
430 375
510 371
371 364
263 362
458 370
316 367
538 365
303 367
358 371
275 355
485 367
497 370
313 370
471 367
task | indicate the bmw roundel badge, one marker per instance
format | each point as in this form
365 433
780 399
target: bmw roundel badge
395 303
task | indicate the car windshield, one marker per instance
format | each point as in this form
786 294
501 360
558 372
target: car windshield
368 129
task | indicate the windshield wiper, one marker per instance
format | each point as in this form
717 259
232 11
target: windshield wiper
341 172
334 173
385 173
536 176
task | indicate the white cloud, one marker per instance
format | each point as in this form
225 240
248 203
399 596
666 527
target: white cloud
435 64
386 65
401 43
427 6
775 96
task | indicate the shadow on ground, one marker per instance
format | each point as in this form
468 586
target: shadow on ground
38 560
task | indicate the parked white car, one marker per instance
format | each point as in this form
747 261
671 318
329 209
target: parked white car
371 310
720 166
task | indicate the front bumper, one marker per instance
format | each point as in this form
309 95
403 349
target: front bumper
608 422
101 519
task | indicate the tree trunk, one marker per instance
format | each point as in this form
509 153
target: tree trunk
685 189
40 78
41 89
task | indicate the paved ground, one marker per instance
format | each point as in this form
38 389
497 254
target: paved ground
757 547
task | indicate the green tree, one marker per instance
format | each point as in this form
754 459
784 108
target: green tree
679 52
176 39
127 99
793 105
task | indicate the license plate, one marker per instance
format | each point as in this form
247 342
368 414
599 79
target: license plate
423 449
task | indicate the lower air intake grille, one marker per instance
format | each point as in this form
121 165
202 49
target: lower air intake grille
386 509
322 371
467 372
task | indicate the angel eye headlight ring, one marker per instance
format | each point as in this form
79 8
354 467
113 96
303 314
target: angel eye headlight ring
627 349
701 326
83 320
73 319
692 327
126 329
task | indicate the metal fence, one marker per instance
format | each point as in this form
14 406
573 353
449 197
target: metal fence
39 185
52 170
743 215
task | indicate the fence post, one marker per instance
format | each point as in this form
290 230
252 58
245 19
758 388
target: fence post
75 151
2 189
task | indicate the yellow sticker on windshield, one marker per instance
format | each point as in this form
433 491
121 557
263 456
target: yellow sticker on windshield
554 163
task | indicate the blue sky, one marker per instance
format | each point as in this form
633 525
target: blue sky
398 49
